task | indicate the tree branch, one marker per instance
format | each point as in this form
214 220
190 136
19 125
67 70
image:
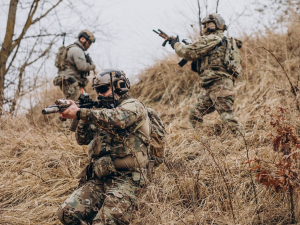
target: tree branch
46 13
13 58
28 23
217 6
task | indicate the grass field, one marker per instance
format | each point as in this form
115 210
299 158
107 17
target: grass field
205 179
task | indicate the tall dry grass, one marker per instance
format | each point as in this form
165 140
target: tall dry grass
205 173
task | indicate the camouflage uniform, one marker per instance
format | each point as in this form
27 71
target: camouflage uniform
110 194
75 75
214 78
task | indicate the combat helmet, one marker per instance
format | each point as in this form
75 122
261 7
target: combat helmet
217 19
112 77
88 35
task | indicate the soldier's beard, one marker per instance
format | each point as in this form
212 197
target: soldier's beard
210 28
107 101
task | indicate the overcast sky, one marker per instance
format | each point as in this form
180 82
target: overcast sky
130 43
134 46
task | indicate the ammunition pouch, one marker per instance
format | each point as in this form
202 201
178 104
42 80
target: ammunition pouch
104 166
57 81
85 175
130 162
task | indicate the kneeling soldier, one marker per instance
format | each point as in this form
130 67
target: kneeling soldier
117 148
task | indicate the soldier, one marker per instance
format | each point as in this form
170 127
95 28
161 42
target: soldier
215 62
117 134
74 65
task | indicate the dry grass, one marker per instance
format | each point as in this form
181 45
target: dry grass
39 161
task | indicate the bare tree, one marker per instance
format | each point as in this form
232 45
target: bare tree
199 17
27 41
11 45
217 6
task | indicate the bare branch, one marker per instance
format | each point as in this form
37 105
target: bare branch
46 13
42 35
217 6
13 58
27 24
199 17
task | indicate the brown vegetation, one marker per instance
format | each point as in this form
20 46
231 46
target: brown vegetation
205 172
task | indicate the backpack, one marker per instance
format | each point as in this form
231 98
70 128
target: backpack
157 137
232 57
61 57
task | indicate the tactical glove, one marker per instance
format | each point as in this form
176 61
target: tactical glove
173 41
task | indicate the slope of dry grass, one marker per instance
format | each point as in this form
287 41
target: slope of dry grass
205 171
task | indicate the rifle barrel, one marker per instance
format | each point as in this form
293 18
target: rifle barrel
49 110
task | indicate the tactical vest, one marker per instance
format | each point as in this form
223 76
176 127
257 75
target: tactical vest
224 58
137 136
148 135
214 60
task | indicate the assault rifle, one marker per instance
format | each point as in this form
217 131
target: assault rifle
62 104
88 58
168 38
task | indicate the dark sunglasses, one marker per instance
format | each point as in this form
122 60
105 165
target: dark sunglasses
102 89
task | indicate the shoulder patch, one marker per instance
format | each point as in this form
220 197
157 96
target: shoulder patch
129 104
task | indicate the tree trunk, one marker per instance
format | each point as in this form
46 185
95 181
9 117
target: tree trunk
6 47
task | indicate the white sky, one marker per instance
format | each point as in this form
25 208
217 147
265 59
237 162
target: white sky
134 45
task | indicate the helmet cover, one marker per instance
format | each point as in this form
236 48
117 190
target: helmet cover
88 35
217 19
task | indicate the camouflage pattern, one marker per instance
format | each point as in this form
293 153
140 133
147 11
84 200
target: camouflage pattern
126 116
217 19
110 195
71 91
213 74
103 167
222 101
101 202
200 48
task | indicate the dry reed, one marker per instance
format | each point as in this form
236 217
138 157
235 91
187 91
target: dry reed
39 160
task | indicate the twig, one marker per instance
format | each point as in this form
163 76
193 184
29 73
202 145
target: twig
252 182
292 205
34 175
217 6
222 174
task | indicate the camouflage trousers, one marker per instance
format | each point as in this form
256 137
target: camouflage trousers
71 91
222 101
101 202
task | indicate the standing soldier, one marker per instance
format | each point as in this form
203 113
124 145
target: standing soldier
117 134
215 58
74 65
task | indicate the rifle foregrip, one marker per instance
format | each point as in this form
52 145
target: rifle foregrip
164 44
50 110
182 62
74 125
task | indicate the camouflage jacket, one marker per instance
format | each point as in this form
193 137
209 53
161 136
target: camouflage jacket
210 61
78 67
119 137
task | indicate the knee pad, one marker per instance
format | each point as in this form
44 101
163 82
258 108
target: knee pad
67 220
104 166
60 215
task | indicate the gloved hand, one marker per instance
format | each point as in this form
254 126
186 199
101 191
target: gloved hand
173 41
